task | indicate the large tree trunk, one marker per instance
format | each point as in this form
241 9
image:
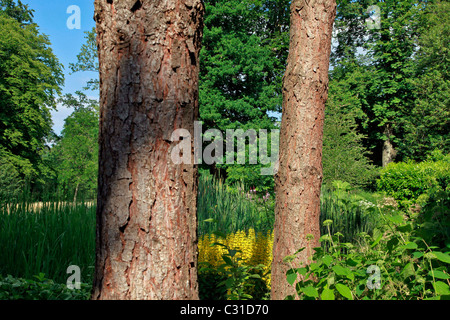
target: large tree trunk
299 179
146 215
389 153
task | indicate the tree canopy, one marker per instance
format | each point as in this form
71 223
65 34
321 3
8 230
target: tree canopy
31 77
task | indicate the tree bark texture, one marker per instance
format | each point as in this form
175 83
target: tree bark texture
299 179
146 215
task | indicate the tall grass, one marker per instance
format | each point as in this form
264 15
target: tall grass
228 209
47 238
351 214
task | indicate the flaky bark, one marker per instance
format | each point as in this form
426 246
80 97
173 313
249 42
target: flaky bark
299 179
146 215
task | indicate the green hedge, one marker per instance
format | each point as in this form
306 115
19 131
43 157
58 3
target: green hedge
410 182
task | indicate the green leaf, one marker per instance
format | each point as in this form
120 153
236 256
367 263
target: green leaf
310 292
327 260
343 271
441 288
439 274
408 270
291 276
410 246
442 256
302 271
232 253
227 260
327 294
220 234
377 236
405 228
344 291
398 219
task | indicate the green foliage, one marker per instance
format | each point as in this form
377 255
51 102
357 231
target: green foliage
75 155
31 77
18 11
11 183
225 208
39 289
409 182
344 155
87 60
242 63
47 238
351 212
428 121
392 264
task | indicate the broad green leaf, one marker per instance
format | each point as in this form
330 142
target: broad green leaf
442 256
291 276
310 292
408 270
395 219
342 271
441 288
344 291
327 260
303 271
409 245
405 228
327 294
439 274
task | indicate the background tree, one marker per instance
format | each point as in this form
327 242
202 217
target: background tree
345 157
76 152
30 79
146 206
299 180
241 67
427 124
87 60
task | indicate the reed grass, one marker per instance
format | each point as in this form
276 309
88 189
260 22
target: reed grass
229 209
47 239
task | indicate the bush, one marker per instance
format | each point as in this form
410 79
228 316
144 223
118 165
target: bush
410 182
393 264
40 289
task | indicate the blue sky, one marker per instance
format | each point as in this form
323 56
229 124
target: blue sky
51 17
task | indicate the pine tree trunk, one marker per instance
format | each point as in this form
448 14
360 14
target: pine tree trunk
299 179
146 215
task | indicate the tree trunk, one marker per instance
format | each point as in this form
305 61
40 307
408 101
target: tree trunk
146 215
299 179
389 153
76 193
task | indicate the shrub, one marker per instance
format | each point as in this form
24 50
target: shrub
39 289
393 264
408 181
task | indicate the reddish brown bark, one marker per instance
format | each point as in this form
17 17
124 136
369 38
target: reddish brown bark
146 215
299 179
